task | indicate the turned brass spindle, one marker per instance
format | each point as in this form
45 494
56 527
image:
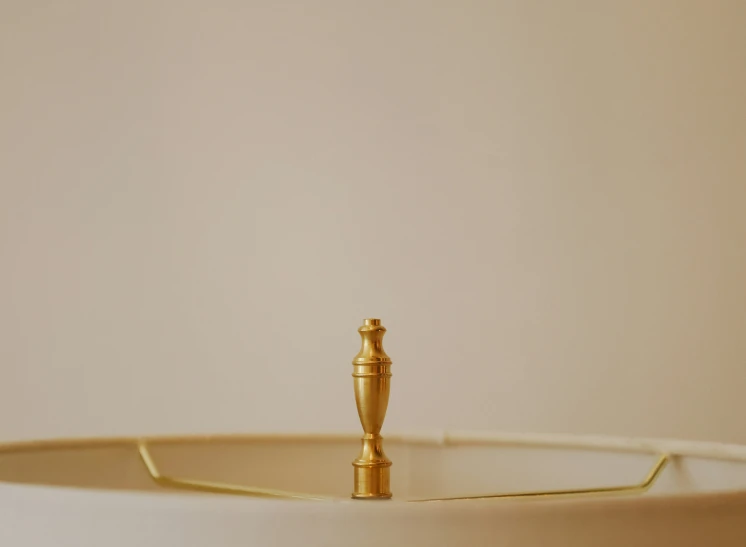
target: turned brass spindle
372 378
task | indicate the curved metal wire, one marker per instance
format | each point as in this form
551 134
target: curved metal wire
213 487
233 489
638 488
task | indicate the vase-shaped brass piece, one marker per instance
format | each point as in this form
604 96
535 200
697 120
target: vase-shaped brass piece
372 378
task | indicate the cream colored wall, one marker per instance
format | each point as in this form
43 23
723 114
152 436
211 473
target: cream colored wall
544 201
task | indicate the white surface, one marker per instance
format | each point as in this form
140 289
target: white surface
707 507
542 200
41 517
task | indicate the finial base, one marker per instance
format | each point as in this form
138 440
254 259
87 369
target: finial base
372 470
372 483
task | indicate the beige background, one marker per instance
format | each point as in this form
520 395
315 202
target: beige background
544 201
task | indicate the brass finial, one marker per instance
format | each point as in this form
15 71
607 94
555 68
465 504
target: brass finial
372 378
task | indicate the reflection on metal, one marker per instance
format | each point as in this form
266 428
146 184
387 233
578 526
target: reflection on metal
629 489
213 487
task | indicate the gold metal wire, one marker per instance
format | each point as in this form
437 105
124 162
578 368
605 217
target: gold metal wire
213 487
222 488
638 488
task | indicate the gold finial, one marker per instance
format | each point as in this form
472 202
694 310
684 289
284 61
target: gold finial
372 378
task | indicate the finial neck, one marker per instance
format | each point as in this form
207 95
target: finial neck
371 351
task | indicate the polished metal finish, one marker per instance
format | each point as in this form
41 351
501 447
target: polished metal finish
372 380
